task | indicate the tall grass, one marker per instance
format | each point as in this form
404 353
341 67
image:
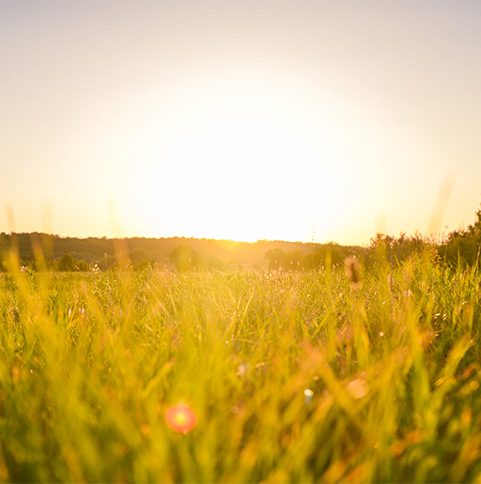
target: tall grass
91 362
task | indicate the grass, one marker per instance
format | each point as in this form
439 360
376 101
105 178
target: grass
91 362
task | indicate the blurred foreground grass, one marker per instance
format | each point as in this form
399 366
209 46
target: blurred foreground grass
91 362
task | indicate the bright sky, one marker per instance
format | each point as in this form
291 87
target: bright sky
241 119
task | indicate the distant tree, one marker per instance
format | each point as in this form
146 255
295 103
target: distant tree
143 265
69 263
81 265
52 265
211 262
138 256
463 246
66 263
324 256
293 260
275 258
386 250
184 258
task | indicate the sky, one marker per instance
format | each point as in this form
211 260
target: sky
240 119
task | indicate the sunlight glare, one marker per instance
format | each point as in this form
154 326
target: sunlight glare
235 158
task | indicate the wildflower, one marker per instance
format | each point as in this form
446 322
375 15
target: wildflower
181 418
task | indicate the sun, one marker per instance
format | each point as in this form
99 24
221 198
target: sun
239 156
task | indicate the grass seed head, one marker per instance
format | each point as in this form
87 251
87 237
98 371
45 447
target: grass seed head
353 271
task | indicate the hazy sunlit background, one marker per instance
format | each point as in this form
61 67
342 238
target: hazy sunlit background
282 120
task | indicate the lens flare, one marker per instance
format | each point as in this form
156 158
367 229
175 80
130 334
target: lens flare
181 418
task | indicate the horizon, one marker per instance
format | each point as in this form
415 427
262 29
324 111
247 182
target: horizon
293 121
10 234
436 238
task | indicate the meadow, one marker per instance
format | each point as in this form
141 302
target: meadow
313 376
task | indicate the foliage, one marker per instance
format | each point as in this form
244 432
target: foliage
320 256
69 263
105 253
463 246
293 376
386 249
184 258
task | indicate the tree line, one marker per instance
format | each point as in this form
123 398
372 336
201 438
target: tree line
50 252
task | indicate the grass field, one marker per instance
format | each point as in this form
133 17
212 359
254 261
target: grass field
91 362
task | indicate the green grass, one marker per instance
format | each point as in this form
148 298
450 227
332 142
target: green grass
90 363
